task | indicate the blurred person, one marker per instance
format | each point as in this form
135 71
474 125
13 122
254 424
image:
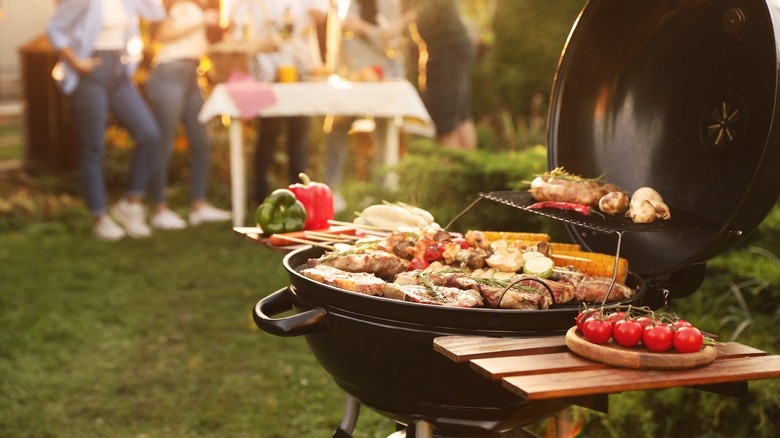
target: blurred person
99 47
451 52
175 96
294 25
366 49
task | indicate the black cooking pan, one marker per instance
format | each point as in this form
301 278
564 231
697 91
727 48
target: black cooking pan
680 96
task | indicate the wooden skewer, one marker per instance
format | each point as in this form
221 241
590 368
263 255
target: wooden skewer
304 241
331 236
360 226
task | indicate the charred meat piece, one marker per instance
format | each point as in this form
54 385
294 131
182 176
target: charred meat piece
360 282
437 295
380 263
517 297
593 289
563 292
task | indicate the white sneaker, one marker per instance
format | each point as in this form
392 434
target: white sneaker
132 217
167 220
208 213
107 229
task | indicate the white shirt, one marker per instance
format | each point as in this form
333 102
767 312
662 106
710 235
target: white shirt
190 46
113 34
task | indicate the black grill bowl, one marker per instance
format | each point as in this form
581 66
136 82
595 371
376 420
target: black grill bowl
381 352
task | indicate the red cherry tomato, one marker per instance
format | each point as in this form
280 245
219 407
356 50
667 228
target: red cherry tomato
615 317
433 252
597 331
657 338
462 242
418 263
580 317
627 332
688 340
682 323
645 321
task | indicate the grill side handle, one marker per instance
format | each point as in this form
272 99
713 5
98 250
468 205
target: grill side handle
304 323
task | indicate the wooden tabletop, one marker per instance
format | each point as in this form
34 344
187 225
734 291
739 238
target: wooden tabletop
542 368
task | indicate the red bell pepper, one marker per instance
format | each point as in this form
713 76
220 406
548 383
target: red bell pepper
317 199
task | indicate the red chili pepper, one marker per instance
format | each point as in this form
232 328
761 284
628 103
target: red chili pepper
579 208
318 201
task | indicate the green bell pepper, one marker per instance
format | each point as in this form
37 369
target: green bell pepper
281 212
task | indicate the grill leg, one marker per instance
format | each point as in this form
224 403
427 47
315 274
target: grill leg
348 422
423 429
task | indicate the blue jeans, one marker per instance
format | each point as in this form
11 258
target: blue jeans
270 129
109 89
175 96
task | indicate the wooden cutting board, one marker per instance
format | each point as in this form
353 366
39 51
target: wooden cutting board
637 357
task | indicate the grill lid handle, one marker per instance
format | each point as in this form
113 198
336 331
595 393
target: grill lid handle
304 323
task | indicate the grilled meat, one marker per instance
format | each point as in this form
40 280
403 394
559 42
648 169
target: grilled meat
380 263
562 292
438 295
360 282
593 289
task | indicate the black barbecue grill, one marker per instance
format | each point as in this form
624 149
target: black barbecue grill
676 95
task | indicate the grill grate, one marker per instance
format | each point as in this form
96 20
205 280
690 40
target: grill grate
681 220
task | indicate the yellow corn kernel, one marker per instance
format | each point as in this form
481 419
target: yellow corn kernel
592 263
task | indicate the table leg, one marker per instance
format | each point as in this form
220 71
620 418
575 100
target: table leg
392 150
237 179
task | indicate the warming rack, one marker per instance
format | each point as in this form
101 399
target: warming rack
619 224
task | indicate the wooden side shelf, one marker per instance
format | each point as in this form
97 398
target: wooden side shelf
543 368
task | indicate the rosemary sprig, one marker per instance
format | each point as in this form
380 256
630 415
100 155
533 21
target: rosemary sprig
356 248
561 173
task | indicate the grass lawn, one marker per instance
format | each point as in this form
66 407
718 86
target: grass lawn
153 338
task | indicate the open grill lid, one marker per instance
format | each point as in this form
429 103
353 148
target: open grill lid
679 96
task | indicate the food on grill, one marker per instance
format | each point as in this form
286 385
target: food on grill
540 266
614 203
431 294
593 289
647 205
433 266
561 186
505 257
592 263
376 261
360 282
568 206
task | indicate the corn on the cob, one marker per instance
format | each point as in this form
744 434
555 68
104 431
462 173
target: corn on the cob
514 236
592 263
559 247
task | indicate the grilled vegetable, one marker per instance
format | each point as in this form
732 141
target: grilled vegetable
281 212
317 199
539 266
592 263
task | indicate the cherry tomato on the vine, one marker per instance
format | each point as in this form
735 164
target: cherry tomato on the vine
644 321
615 317
581 316
596 330
627 332
657 338
688 340
680 323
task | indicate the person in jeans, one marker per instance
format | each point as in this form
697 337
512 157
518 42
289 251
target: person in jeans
175 96
99 47
366 48
294 24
